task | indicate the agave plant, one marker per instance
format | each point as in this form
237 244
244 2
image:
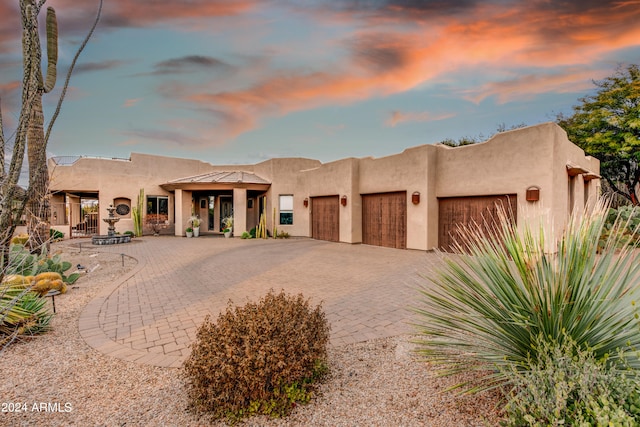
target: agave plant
486 308
21 313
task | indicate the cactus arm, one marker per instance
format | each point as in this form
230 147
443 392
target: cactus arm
52 50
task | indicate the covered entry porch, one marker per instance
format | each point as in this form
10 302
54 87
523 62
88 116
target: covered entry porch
214 196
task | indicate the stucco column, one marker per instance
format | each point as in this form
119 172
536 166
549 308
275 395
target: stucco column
183 211
239 211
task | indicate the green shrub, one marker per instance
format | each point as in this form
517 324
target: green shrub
490 305
245 235
261 358
566 385
55 234
129 233
252 233
626 222
283 235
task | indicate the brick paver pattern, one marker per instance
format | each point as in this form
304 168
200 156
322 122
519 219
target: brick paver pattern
151 315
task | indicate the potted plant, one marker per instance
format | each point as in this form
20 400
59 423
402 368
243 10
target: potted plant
195 223
227 224
189 231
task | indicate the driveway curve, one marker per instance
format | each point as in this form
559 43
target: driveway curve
151 315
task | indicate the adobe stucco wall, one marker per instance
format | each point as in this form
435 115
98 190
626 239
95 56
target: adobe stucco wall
513 161
413 170
114 178
508 163
337 178
283 175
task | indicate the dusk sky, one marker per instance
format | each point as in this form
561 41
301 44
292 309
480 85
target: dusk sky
240 81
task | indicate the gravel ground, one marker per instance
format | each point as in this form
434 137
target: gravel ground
57 380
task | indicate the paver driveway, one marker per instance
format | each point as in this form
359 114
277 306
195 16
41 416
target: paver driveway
151 315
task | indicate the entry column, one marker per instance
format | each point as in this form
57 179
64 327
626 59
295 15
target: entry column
239 211
183 211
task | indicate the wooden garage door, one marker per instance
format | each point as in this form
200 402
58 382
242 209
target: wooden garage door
384 219
455 212
325 218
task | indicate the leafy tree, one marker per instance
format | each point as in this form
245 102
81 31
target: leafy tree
606 125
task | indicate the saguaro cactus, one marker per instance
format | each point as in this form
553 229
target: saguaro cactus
36 144
29 133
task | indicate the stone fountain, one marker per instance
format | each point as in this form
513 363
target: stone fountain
111 238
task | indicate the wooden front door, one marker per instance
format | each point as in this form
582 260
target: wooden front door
384 219
325 218
456 212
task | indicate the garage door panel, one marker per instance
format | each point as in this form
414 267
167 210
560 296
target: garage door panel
384 219
325 218
457 212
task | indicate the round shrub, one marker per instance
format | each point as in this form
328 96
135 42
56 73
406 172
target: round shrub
261 358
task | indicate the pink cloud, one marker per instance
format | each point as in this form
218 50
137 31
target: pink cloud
386 61
394 47
528 86
397 117
131 102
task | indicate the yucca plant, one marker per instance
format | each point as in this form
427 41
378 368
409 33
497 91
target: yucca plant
486 307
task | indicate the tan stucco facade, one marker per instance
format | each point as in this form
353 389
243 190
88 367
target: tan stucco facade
537 157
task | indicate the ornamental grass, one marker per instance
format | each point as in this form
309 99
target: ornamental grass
486 308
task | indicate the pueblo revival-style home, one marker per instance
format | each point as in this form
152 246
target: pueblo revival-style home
415 199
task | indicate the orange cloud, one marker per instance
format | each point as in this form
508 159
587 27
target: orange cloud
528 86
132 13
397 48
131 102
397 117
9 87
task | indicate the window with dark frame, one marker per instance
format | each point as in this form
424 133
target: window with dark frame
286 209
157 209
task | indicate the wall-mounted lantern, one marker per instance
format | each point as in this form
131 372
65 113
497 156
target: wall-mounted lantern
533 194
415 197
305 202
343 201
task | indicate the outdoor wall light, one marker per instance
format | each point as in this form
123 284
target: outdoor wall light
415 197
343 201
305 202
533 194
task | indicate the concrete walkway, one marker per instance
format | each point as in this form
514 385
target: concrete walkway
151 315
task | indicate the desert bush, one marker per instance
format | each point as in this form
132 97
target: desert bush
490 305
261 358
625 221
567 385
